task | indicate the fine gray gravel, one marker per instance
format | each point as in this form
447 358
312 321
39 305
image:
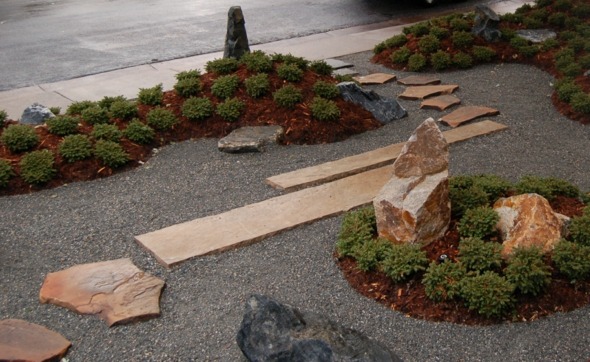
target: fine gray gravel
203 301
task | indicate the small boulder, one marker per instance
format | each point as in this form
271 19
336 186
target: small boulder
271 331
414 206
250 139
486 23
528 220
383 109
36 114
536 35
24 341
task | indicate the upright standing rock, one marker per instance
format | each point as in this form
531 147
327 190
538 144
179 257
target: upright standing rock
236 40
486 23
414 206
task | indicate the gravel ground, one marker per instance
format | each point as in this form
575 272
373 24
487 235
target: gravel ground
202 304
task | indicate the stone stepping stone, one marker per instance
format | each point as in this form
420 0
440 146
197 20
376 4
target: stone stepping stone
345 71
375 78
250 139
536 35
254 222
417 80
116 290
422 92
466 114
338 64
24 341
441 102
330 171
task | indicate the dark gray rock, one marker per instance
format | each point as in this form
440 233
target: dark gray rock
272 331
250 139
486 23
383 109
338 64
36 114
236 39
536 35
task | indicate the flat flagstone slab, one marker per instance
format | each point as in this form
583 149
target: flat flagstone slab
345 71
250 139
116 290
466 114
337 63
422 92
375 78
255 222
24 341
441 102
417 80
329 171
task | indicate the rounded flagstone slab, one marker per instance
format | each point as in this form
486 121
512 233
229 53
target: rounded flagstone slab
466 114
425 91
441 102
375 78
115 290
24 341
417 80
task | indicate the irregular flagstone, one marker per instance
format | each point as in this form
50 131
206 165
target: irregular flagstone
250 139
375 78
345 71
116 290
528 220
466 114
271 331
414 206
419 80
338 64
24 341
441 102
426 91
329 171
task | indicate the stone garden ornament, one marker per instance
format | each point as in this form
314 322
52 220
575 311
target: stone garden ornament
236 39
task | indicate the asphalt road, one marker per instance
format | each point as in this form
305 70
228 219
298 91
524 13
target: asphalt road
44 41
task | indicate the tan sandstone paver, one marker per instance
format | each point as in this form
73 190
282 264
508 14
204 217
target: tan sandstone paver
466 114
255 222
329 171
375 78
24 341
418 80
441 102
422 92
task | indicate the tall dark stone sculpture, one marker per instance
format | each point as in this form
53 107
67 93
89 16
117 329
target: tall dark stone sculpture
236 39
486 23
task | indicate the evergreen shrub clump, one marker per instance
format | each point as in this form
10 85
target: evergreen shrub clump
110 153
108 132
401 56
123 109
324 109
231 109
161 119
429 44
95 115
197 108
139 133
572 260
188 86
440 60
290 72
326 90
107 101
442 281
257 85
151 96
222 66
462 39
321 67
288 96
479 222
403 261
527 271
225 86
6 172
75 148
62 125
462 60
76 108
19 138
488 293
478 255
257 62
36 167
416 62
3 117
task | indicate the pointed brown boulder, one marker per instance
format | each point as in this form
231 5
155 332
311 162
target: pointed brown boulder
116 290
24 341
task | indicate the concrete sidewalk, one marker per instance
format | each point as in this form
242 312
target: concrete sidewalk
127 81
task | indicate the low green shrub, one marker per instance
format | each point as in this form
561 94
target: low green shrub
139 133
527 271
225 86
566 88
326 90
403 261
370 254
62 125
188 86
123 110
95 115
439 32
110 153
440 60
507 34
584 61
107 101
464 195
300 62
493 185
548 187
531 22
549 44
512 18
462 39
418 29
151 96
257 85
288 96
581 11
161 119
19 138
462 60
579 229
257 61
580 102
488 294
188 74
428 44
572 260
358 227
459 24
222 66
393 42
3 117
36 167
231 109
416 62
321 67
442 281
75 147
562 5
479 222
55 110
108 132
401 55
76 108
324 109
557 19
518 42
290 72
6 173
483 53
478 255
197 109
570 70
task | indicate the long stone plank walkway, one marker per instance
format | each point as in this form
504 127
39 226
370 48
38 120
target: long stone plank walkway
329 171
255 222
